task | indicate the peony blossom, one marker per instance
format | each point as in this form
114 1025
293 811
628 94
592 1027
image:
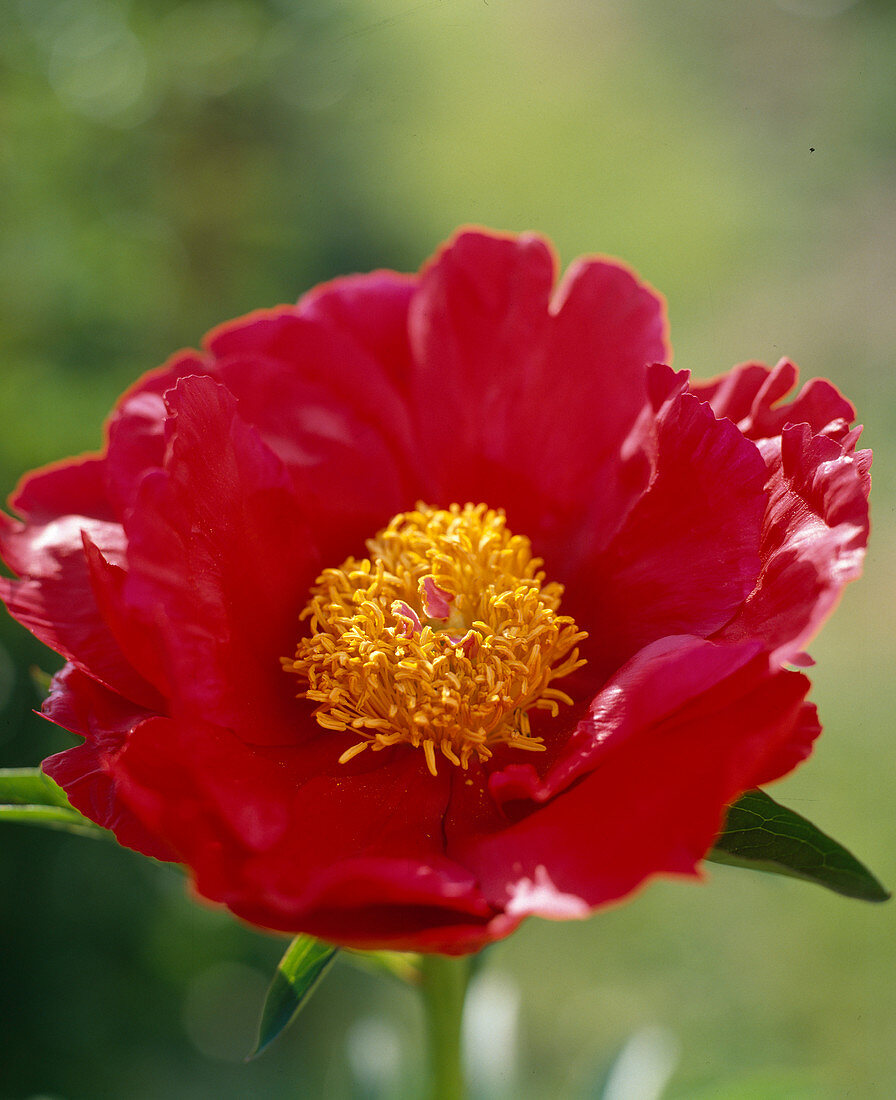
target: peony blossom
435 602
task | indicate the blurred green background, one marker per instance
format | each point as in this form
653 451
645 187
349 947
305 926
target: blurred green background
165 166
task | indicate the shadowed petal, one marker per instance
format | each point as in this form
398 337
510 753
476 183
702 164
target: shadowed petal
106 721
294 840
653 801
219 566
331 412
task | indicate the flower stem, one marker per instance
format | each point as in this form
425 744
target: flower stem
444 986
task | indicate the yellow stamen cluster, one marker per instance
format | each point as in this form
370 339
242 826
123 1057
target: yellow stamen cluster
444 638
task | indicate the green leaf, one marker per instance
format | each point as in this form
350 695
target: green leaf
54 817
298 972
30 787
27 795
42 680
402 965
762 835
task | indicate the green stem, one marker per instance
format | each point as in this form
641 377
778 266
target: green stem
444 986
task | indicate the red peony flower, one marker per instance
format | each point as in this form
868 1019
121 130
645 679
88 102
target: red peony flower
435 602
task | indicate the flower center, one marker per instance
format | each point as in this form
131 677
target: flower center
444 638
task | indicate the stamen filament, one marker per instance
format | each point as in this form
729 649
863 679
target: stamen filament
444 639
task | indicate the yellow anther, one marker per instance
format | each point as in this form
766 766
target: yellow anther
443 639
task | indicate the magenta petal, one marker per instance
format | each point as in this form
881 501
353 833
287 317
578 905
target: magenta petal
219 566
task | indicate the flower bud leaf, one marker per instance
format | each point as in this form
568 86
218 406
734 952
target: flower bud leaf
303 965
401 965
762 835
29 796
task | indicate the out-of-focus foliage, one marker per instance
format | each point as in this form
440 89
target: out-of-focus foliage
165 166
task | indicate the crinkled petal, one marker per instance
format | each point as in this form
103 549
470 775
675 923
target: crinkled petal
136 428
85 772
220 561
701 533
55 598
652 803
524 396
608 327
813 539
296 841
751 393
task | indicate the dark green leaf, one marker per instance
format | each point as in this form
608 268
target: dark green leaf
27 795
54 817
296 977
762 835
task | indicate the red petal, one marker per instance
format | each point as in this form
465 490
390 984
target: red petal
331 412
133 636
73 487
654 801
473 382
749 395
478 329
502 372
783 758
371 311
813 539
85 772
220 565
659 680
297 842
608 328
137 428
55 598
688 554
